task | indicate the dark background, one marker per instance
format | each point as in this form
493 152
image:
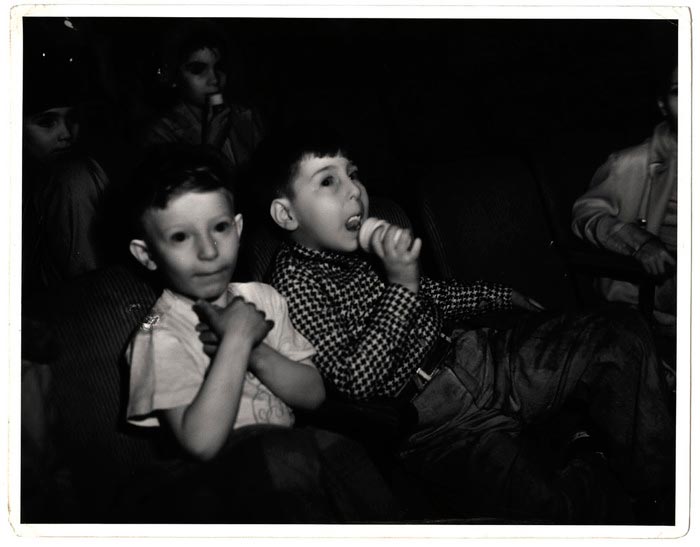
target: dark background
415 91
412 95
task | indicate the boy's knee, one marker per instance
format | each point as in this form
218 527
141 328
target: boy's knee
291 457
625 328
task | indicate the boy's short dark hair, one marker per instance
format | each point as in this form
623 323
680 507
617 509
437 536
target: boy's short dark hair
170 170
276 162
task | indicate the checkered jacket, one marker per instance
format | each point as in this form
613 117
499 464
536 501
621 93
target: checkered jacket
371 336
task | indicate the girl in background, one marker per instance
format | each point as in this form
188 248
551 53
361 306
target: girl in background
195 70
62 187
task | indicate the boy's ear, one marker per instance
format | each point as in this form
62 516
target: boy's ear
238 221
281 213
139 248
662 107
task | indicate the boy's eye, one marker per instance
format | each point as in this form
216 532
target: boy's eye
71 118
328 181
47 122
222 226
195 67
353 174
178 237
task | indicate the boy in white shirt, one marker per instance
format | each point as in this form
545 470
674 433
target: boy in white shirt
188 231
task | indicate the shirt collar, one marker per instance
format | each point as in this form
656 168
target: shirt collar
663 145
333 257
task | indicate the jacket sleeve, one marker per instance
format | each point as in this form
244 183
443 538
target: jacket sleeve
459 300
596 214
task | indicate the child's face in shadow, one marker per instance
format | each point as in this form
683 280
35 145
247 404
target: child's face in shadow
201 75
194 243
672 100
328 205
51 133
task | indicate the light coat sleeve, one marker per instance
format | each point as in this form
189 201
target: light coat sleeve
606 215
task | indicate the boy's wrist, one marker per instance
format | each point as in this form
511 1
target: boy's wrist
257 357
236 341
408 281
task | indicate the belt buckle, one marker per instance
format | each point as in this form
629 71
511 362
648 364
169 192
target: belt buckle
421 379
424 375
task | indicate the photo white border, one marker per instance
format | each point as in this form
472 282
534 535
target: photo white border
307 533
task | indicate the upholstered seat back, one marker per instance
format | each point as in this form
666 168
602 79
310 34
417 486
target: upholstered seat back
93 319
484 220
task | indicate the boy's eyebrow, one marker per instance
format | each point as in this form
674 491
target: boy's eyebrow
322 169
350 165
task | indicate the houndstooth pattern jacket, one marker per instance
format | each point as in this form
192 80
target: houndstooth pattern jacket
371 336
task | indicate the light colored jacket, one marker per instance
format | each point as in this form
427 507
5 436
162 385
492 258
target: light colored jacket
633 184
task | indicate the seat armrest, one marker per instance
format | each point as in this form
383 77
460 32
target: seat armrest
583 257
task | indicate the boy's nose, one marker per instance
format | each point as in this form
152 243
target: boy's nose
64 132
213 78
355 188
207 249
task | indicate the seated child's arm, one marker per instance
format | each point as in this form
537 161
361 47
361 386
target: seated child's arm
203 426
460 300
399 253
298 384
596 214
283 362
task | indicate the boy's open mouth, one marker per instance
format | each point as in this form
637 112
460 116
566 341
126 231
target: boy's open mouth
354 222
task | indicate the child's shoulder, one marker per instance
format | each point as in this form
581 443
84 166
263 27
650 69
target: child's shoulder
293 262
79 175
168 312
261 294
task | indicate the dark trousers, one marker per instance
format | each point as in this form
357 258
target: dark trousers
469 442
268 474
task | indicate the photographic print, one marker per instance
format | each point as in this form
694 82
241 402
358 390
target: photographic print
425 269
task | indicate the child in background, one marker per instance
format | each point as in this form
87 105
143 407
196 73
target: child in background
195 67
630 207
63 188
187 230
381 332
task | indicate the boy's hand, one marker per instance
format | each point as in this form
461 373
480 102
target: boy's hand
526 303
210 341
399 253
218 127
655 258
239 318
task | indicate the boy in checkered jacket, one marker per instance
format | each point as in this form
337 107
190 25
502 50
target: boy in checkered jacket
379 331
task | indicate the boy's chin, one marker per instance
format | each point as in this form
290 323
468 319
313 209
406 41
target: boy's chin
210 294
349 247
337 246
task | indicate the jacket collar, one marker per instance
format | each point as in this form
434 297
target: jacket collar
663 147
333 257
